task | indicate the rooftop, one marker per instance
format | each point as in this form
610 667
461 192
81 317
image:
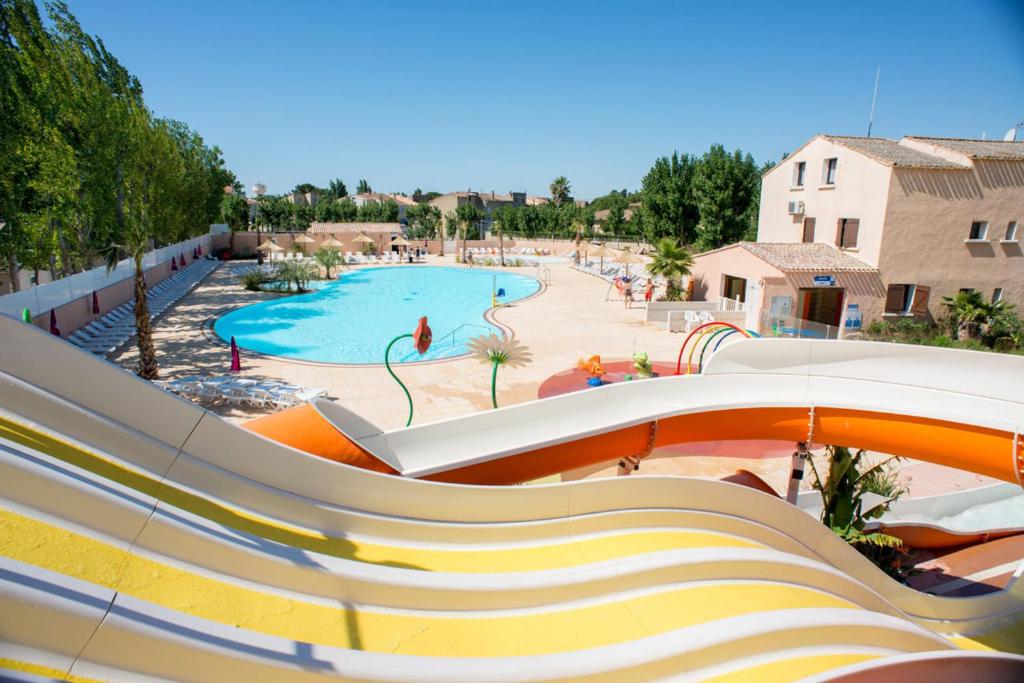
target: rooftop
804 257
389 228
892 153
978 149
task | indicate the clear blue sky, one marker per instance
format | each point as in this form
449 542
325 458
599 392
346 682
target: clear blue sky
446 95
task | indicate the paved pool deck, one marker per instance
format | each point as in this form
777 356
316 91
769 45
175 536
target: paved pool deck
569 320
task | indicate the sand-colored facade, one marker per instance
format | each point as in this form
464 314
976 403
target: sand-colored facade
906 208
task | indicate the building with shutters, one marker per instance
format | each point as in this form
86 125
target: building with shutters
923 217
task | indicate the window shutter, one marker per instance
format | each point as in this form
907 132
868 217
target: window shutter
920 305
839 232
894 299
850 232
808 230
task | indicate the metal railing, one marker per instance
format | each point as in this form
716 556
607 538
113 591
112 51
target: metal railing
543 273
790 326
450 336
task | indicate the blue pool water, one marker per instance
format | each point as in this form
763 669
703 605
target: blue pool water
352 319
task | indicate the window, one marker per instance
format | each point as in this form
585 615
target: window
967 290
828 174
906 300
1011 232
808 230
997 295
846 232
799 171
979 230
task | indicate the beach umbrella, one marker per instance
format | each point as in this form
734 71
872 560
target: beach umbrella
199 249
95 303
331 243
174 263
26 315
627 257
304 240
364 239
183 261
401 242
271 247
236 361
601 251
54 330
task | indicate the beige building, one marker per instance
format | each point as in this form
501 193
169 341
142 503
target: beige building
928 216
488 202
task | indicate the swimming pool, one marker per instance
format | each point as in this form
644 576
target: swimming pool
352 319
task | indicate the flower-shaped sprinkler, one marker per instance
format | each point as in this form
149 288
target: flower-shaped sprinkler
421 339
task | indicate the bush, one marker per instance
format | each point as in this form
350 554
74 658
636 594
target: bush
255 279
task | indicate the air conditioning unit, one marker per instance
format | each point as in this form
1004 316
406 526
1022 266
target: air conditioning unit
796 208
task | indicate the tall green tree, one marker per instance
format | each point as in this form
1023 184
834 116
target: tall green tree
725 188
335 190
363 187
560 190
668 205
424 220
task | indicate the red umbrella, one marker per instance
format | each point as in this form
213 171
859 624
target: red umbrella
95 303
174 263
54 330
183 261
236 362
199 249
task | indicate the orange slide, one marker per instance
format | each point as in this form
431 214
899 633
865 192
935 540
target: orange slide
966 447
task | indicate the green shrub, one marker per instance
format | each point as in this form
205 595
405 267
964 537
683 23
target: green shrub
254 279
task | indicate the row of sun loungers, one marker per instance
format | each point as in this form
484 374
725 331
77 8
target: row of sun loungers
515 251
613 270
106 334
241 391
385 258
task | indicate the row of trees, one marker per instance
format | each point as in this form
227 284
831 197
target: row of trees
84 164
87 172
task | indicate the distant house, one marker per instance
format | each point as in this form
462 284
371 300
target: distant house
853 229
303 198
364 198
600 217
488 202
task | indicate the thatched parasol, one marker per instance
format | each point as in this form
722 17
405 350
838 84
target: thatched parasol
627 257
331 243
600 252
304 240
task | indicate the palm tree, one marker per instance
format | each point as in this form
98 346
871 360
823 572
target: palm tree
499 218
328 258
560 189
135 247
467 215
968 313
671 262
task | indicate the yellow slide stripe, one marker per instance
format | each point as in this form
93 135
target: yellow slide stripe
56 549
44 671
531 558
539 557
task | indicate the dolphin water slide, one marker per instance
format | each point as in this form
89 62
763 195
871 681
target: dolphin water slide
144 538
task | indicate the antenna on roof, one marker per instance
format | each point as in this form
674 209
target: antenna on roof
871 119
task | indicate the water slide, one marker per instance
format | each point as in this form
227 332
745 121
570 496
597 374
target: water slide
959 409
143 538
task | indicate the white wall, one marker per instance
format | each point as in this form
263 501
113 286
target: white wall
55 294
861 191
